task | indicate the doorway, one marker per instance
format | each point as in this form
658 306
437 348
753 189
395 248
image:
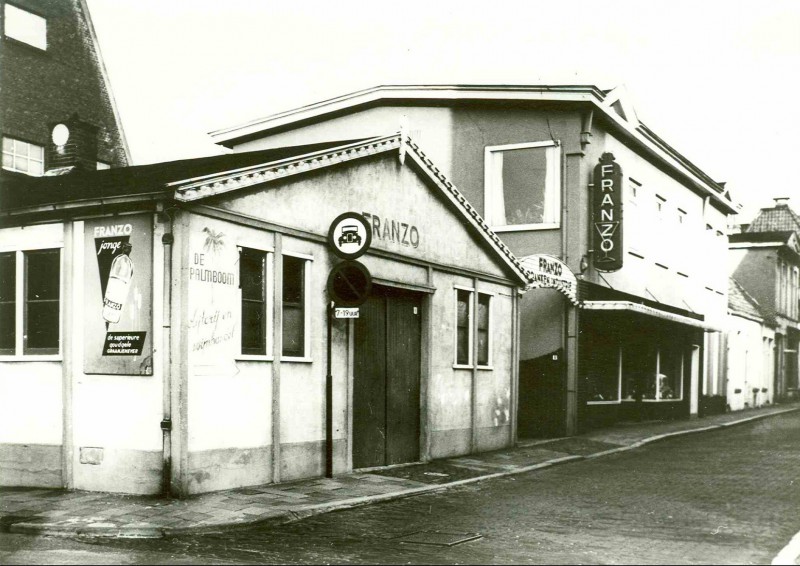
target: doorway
386 379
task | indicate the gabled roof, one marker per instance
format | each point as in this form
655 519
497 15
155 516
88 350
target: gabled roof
775 219
741 303
206 186
613 104
20 193
193 180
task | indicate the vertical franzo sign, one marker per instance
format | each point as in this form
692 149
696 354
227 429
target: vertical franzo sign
607 214
117 306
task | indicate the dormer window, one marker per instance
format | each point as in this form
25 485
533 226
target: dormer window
523 186
23 157
25 26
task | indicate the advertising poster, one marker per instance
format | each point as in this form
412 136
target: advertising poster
213 272
118 289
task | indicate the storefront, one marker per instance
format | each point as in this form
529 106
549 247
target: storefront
181 340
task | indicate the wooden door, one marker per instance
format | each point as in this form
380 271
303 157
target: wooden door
386 379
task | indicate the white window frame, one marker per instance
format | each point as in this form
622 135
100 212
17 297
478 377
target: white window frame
493 184
306 357
19 304
489 342
269 302
470 325
33 30
14 154
632 220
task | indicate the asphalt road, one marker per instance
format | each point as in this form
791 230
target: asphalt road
725 497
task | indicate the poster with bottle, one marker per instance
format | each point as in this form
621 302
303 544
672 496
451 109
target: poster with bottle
118 292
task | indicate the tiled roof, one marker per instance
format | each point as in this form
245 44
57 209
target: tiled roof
740 302
776 219
777 237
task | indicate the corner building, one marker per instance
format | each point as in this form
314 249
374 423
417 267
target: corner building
171 333
645 341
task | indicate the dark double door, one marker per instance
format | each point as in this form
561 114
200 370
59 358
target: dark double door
386 379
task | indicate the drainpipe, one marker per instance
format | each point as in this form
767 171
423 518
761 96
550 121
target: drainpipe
167 239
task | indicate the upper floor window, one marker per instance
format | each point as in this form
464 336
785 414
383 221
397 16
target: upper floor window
523 186
23 156
25 26
102 165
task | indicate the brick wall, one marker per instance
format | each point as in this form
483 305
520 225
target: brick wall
38 88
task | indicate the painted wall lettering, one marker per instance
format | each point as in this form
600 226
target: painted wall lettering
391 230
607 214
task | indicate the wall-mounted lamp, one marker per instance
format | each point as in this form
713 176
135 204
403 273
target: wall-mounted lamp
584 264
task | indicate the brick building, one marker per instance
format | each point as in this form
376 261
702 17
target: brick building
52 76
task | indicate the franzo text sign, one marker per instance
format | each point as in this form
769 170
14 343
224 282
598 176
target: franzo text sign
607 214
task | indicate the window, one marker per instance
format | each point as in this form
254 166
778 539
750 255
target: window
101 165
654 372
484 337
30 302
23 156
523 186
295 324
464 336
604 359
25 26
253 283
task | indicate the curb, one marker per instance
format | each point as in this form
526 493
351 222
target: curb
107 530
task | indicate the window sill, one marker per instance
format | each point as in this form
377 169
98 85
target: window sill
616 402
486 368
653 400
526 227
295 359
462 366
32 358
253 358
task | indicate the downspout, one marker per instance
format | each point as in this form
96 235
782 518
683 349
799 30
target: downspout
167 239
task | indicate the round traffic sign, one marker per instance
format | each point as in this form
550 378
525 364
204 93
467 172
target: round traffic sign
349 284
350 235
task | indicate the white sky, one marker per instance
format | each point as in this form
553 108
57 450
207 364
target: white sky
717 79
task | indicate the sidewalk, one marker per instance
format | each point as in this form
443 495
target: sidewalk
68 513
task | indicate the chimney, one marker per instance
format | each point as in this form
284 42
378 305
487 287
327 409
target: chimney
72 146
781 201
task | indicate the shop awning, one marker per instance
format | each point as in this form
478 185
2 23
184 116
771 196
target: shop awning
649 311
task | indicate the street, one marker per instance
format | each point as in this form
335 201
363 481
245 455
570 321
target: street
729 496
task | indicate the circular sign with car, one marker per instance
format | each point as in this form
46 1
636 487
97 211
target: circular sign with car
350 235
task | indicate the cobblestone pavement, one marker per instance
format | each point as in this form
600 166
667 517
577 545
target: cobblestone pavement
730 496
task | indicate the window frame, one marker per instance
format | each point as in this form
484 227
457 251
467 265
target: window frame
490 186
269 302
618 400
659 349
489 341
13 155
470 326
306 306
27 12
21 302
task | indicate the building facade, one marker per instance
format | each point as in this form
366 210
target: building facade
648 249
766 263
52 74
168 327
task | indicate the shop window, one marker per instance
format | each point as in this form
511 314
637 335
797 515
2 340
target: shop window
22 156
484 336
253 283
39 295
603 372
523 186
652 373
463 327
25 26
295 322
638 369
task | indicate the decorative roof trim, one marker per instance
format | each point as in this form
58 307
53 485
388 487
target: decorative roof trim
566 93
221 183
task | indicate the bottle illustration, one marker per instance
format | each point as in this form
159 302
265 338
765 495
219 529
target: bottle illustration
119 280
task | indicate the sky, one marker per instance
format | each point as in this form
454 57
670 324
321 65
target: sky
716 79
